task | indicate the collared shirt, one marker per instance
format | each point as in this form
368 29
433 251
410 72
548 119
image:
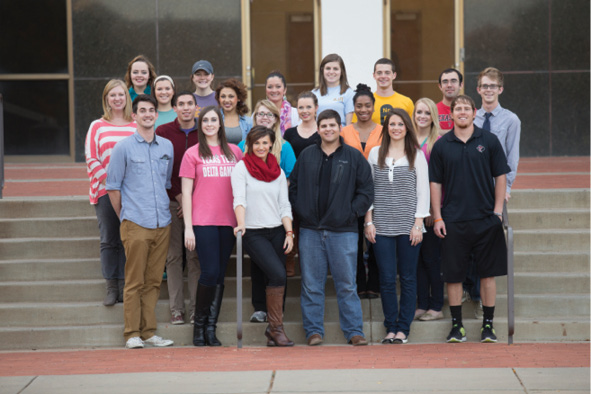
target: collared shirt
507 127
142 172
466 170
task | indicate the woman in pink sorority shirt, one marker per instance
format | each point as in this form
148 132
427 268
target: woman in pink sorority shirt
209 217
103 134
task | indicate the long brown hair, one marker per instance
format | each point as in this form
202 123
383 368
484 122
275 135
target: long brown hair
343 82
410 139
204 150
151 70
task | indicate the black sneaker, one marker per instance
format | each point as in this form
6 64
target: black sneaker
487 334
457 334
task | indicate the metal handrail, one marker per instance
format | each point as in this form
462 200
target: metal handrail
239 256
1 145
510 277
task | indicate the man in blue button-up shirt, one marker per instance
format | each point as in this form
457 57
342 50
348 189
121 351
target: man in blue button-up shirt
137 178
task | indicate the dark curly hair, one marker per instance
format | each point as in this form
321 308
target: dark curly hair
241 93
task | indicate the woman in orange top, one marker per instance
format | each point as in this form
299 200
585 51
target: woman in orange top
364 135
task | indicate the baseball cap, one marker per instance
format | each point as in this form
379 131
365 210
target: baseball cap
203 65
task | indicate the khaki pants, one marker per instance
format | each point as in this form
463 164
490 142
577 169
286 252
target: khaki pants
145 250
174 265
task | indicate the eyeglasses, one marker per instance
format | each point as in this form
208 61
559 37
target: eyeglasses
269 115
492 86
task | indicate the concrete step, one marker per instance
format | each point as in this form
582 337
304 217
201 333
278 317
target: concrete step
574 218
62 227
40 314
49 248
93 290
39 207
111 335
548 199
551 240
551 262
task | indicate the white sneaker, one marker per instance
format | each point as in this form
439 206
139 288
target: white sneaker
158 341
134 343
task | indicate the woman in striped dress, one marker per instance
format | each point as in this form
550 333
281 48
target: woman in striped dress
103 134
394 224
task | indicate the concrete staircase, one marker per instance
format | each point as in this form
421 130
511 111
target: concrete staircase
51 288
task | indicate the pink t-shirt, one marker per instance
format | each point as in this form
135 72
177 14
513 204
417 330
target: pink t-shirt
212 187
445 120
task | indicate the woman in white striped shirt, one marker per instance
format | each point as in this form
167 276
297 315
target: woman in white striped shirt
394 224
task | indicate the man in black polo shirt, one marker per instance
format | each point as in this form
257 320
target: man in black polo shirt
468 164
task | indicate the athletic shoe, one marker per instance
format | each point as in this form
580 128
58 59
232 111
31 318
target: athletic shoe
258 317
487 334
478 312
466 296
134 343
158 341
457 334
177 318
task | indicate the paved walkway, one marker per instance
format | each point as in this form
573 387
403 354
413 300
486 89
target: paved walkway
470 367
70 179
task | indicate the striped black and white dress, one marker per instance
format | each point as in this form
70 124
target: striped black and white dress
400 194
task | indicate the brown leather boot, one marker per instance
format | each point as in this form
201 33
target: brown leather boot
274 332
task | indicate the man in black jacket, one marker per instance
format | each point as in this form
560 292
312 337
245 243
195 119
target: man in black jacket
330 187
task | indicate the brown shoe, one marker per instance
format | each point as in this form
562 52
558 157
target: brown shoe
358 340
315 339
274 332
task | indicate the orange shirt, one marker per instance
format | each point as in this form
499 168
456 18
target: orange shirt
351 137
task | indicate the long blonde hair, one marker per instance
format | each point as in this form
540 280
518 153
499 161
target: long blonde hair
276 149
435 129
107 113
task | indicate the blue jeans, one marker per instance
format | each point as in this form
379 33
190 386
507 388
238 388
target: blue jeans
320 250
214 247
112 251
429 281
397 255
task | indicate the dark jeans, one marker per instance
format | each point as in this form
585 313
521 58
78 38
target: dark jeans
472 282
429 282
371 280
112 251
396 255
265 248
214 247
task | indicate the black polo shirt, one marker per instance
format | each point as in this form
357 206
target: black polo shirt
467 171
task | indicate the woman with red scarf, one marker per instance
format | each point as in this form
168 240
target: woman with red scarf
263 214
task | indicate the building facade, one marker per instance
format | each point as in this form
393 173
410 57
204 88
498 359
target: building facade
57 55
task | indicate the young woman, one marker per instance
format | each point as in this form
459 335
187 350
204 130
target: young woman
103 134
266 114
364 135
306 133
395 223
275 89
201 83
429 284
300 137
231 95
207 194
333 89
163 92
139 76
264 217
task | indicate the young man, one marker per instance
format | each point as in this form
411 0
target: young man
450 84
384 74
469 164
498 120
138 176
182 132
330 187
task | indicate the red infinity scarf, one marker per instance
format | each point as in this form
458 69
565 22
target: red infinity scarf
260 170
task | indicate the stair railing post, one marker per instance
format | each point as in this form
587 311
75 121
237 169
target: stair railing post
510 277
239 256
1 145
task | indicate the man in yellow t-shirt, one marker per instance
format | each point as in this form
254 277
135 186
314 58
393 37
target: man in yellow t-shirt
386 98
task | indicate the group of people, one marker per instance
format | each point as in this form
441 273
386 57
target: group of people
367 185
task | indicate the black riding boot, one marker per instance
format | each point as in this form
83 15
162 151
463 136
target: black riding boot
212 320
205 296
